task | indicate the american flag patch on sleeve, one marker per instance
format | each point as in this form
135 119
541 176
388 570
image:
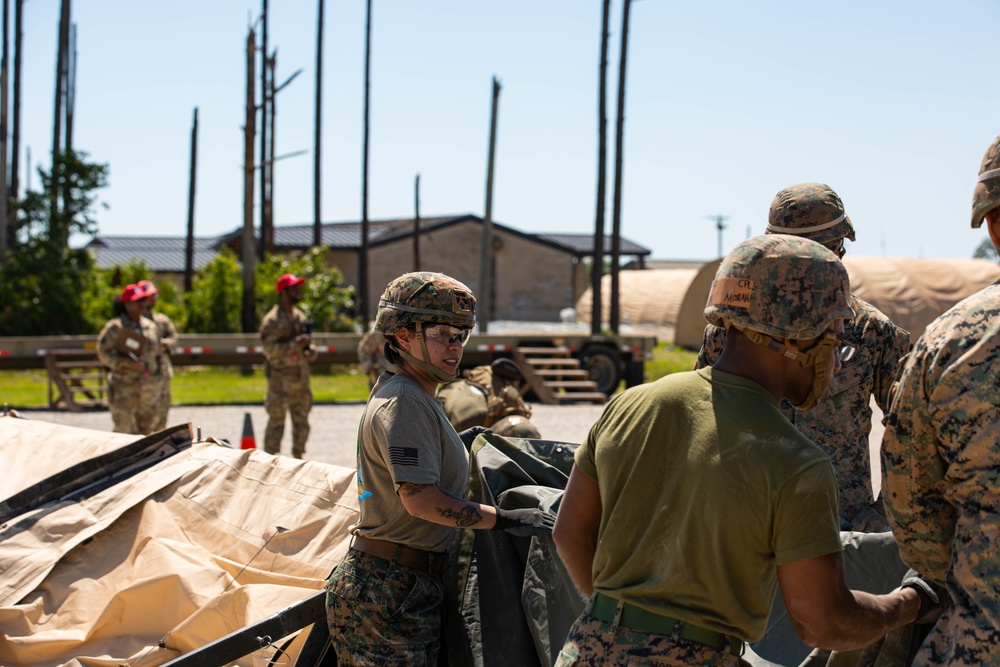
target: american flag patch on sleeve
404 456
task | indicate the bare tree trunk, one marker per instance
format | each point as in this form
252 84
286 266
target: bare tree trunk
15 146
619 152
416 224
57 129
189 244
249 316
269 206
597 270
485 299
71 88
5 198
363 305
317 145
264 111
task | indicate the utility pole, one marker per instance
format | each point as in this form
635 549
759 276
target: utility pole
249 316
616 235
486 261
363 306
719 220
15 146
189 243
317 145
597 269
71 88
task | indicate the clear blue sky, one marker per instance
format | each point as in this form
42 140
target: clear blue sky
892 103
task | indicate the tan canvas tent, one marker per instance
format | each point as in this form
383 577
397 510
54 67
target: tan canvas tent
203 543
911 292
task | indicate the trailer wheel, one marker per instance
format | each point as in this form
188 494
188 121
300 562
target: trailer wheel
604 369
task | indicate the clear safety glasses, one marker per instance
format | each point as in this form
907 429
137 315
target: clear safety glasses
845 348
448 335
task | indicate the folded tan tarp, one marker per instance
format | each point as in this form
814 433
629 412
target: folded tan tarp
195 547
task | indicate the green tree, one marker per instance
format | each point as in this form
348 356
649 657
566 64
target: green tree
987 250
108 284
213 305
329 305
42 279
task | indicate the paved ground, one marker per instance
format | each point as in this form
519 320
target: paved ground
334 426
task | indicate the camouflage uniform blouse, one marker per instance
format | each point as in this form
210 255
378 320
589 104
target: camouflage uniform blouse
118 363
278 330
841 422
941 474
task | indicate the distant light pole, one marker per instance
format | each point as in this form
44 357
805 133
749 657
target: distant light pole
719 219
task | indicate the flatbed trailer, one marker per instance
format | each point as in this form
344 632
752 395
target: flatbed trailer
558 364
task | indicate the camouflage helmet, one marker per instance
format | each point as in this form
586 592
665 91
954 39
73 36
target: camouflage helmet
810 210
780 285
986 196
425 297
516 426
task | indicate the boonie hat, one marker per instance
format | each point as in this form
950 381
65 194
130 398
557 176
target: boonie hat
288 280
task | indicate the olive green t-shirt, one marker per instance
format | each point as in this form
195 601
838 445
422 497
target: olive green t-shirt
705 489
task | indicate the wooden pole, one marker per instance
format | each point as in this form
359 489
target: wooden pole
269 205
485 297
265 165
317 144
597 269
619 152
4 194
364 309
249 316
57 129
15 145
71 88
189 244
416 224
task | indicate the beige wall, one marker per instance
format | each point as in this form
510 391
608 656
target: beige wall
533 282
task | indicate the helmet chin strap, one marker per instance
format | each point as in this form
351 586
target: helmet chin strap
435 372
816 357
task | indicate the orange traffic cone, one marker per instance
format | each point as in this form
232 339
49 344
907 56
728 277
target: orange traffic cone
248 441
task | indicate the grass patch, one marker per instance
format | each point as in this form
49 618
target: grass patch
202 385
235 385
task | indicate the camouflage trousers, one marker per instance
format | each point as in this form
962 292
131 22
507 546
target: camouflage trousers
287 392
383 614
133 403
595 643
162 404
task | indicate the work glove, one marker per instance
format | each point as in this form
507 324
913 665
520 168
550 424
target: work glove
524 522
469 435
934 599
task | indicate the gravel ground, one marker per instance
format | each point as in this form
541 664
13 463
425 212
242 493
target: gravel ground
334 426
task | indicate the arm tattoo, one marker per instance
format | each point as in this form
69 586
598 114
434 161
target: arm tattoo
464 518
409 489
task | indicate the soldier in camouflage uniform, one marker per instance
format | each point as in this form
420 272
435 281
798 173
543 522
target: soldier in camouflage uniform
941 459
288 349
129 345
841 422
692 497
168 342
486 396
384 598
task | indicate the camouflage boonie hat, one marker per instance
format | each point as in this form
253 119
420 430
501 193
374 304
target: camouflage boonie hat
516 426
425 297
986 196
780 285
810 210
